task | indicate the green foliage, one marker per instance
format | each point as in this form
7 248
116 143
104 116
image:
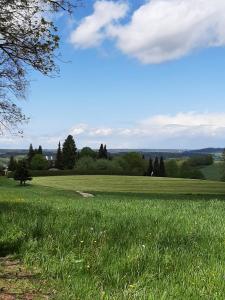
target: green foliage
201 160
87 151
30 154
187 171
133 164
172 169
59 158
69 153
156 170
162 170
12 164
102 153
150 168
22 173
85 164
39 150
39 162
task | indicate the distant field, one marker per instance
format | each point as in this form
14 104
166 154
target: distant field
132 184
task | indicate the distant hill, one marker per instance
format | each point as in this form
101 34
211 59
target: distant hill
166 153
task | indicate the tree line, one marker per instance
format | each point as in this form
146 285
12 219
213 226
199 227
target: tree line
89 161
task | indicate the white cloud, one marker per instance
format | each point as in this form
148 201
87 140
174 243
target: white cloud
159 30
91 30
181 130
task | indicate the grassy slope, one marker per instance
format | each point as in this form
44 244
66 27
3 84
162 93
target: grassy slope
132 184
213 172
118 246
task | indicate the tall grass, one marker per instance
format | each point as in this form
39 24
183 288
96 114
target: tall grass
117 246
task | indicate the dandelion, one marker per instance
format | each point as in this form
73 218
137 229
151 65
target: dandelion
81 242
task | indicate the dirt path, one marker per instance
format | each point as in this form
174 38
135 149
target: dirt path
16 282
85 195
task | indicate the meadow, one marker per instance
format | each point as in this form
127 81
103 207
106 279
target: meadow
138 238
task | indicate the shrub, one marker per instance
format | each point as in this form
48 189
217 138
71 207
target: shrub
172 169
39 162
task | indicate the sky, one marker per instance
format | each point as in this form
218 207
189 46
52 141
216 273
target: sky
133 74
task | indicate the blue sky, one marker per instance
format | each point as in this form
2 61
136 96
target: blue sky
160 90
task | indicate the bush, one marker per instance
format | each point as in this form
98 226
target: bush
39 162
133 164
172 169
85 164
187 171
201 160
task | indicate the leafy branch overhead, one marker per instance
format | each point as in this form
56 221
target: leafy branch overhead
28 40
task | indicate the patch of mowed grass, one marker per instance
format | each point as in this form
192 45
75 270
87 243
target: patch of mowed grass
132 184
117 246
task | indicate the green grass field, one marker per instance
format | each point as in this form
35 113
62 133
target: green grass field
132 184
128 242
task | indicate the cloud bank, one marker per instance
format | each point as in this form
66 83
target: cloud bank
182 130
158 31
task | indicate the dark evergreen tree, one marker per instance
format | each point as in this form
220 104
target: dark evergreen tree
105 152
30 154
101 152
69 153
150 168
156 167
162 170
12 164
39 150
22 173
59 158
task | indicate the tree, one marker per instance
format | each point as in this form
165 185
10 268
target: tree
150 168
69 153
101 152
86 151
30 154
28 40
172 169
22 173
12 164
162 171
39 150
156 167
59 158
105 152
39 162
133 164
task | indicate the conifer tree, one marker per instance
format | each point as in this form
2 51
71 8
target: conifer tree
39 150
150 167
105 152
101 152
22 173
162 171
156 167
69 153
59 158
12 164
30 154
